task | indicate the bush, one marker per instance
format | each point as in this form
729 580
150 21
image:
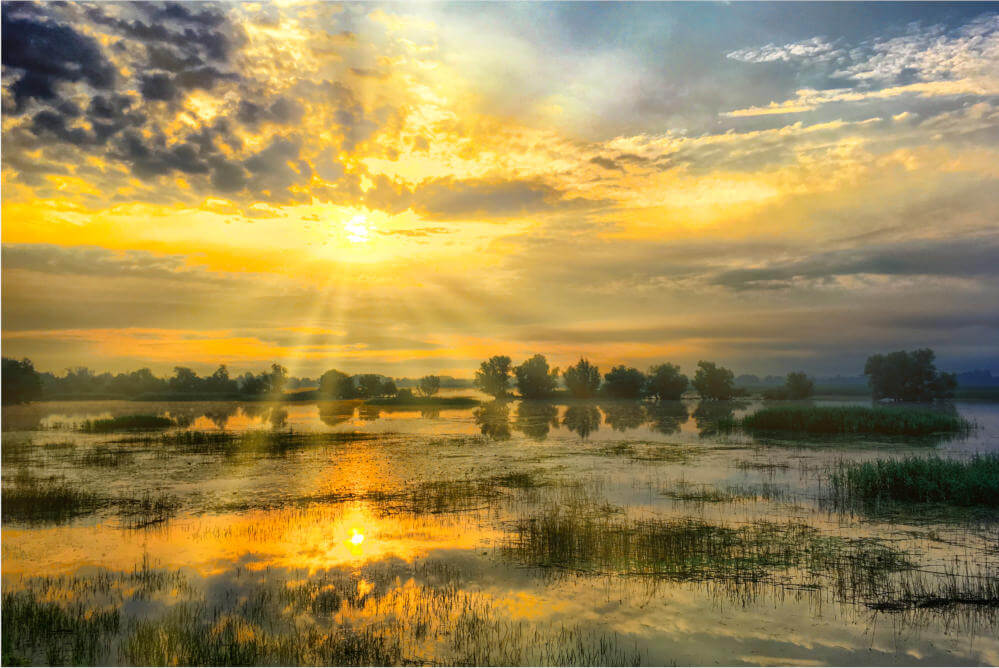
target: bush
713 382
666 383
624 383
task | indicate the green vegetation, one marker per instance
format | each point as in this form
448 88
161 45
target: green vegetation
713 382
666 383
534 379
797 386
428 386
51 499
974 482
888 421
582 379
493 376
126 423
624 382
21 383
908 376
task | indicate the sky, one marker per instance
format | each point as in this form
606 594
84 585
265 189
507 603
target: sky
411 188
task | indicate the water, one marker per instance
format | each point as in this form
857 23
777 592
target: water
514 533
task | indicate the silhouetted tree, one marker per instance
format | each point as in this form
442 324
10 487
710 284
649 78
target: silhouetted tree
713 382
20 381
252 385
368 385
799 385
582 379
220 381
582 420
623 382
336 385
493 376
534 379
666 383
389 389
277 379
185 380
428 386
908 376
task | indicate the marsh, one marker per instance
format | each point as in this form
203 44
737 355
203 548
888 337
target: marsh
512 533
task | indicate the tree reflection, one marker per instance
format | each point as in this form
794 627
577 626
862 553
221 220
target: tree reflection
368 413
493 419
333 413
220 414
624 415
666 417
278 417
536 418
583 420
709 413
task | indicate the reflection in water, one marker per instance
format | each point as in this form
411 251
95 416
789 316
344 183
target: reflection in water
582 419
535 419
665 417
624 415
708 413
333 413
430 413
219 414
278 417
493 419
368 413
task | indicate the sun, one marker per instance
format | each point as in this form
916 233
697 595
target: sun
358 229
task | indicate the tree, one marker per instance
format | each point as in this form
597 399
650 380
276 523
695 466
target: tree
389 389
666 383
624 383
713 382
336 385
534 379
908 376
220 381
21 382
493 376
428 386
583 379
185 380
277 379
369 385
799 385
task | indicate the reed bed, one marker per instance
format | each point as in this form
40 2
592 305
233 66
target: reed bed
886 421
974 482
126 423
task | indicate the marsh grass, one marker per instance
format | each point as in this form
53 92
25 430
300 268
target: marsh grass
783 554
888 421
386 614
53 499
107 457
30 498
698 493
126 423
974 482
640 451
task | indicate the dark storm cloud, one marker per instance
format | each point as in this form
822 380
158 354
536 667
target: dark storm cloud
963 258
44 52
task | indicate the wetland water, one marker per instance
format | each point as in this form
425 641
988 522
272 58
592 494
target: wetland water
516 533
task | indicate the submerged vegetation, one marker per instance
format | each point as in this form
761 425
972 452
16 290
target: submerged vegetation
888 421
974 482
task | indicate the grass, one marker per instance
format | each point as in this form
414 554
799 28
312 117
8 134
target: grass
225 442
51 499
126 423
103 456
387 614
888 421
32 499
691 549
974 482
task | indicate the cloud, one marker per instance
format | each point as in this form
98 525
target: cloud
961 258
816 48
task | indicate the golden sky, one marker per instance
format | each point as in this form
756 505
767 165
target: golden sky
412 188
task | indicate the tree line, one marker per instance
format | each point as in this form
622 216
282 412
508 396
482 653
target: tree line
898 376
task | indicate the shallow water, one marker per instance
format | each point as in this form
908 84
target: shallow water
475 535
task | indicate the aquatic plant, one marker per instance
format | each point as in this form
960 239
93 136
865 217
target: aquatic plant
126 423
974 482
891 421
